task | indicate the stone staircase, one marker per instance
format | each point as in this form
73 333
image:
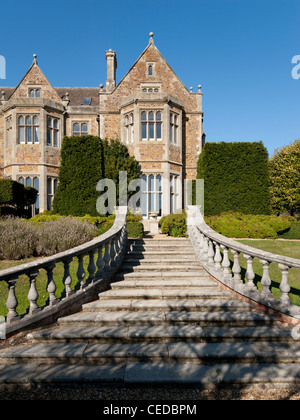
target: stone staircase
164 320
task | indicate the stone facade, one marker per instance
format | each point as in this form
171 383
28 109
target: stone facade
149 110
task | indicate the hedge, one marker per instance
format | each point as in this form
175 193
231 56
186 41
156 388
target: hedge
85 160
238 225
236 178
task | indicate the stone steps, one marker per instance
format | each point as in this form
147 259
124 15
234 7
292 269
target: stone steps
164 320
153 318
189 305
162 334
178 352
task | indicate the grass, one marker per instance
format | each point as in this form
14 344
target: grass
286 248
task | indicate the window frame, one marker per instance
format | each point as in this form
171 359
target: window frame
80 132
52 139
174 127
129 128
149 193
148 124
30 130
53 183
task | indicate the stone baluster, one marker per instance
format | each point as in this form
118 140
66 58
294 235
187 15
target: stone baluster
12 301
112 252
218 257
226 266
67 279
201 242
118 246
80 273
284 286
250 275
91 268
266 281
205 249
106 257
236 269
51 287
211 253
33 293
100 263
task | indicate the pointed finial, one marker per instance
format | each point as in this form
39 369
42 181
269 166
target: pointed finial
34 58
151 38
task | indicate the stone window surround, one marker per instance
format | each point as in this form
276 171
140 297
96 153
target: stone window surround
52 183
150 69
155 122
129 127
174 192
34 139
80 132
156 192
53 130
78 120
174 127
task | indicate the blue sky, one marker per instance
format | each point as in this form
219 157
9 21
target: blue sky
240 51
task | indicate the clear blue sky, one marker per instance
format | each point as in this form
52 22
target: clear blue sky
239 50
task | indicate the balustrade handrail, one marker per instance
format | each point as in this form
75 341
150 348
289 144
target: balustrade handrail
61 256
112 244
254 252
208 244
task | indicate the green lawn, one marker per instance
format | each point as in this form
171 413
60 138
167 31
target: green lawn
286 248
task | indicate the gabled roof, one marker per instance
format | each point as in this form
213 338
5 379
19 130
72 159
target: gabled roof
151 45
34 67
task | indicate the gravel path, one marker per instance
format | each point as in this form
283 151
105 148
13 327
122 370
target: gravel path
149 393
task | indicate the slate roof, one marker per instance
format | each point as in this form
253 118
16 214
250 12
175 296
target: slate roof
77 95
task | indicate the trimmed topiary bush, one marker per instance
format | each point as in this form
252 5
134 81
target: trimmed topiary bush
135 229
174 225
236 178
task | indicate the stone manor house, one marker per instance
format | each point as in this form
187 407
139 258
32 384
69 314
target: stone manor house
149 110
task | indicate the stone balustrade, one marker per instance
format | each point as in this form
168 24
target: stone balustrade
105 255
212 250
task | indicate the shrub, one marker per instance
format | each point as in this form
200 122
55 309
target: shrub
20 238
292 233
135 229
174 225
59 235
237 225
236 178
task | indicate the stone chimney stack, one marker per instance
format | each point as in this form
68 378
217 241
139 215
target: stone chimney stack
111 61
